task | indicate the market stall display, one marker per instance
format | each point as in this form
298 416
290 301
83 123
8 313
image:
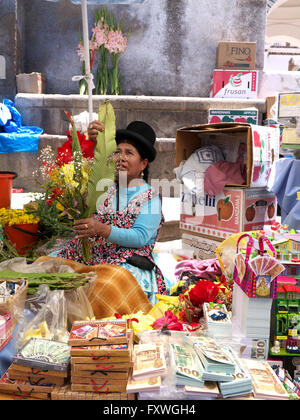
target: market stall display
210 335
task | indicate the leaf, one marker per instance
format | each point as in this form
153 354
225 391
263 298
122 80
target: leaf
103 169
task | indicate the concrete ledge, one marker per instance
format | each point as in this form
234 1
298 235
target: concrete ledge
165 113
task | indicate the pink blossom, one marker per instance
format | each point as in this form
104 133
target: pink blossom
168 322
80 49
116 43
100 34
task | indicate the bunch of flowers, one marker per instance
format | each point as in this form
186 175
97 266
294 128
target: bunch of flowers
108 41
69 178
192 300
12 217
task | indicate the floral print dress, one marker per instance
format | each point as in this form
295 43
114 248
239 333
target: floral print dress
105 252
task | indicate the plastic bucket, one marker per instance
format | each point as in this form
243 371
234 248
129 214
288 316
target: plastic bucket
22 236
6 182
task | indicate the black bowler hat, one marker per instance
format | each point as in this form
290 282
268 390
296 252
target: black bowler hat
142 135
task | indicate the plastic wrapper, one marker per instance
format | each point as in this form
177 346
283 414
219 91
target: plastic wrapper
48 318
78 305
169 390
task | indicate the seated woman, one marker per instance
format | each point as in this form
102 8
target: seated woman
124 229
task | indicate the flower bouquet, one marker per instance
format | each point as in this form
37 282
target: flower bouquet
77 179
203 291
109 42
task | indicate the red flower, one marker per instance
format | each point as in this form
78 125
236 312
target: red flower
204 291
64 152
54 193
168 322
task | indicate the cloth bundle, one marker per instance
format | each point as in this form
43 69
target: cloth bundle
206 269
15 137
213 170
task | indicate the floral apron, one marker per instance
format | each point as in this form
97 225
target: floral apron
106 252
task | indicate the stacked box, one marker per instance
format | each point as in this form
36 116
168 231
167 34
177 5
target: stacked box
238 207
236 55
242 84
248 116
235 75
101 356
37 368
65 393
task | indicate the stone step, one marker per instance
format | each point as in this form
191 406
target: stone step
164 113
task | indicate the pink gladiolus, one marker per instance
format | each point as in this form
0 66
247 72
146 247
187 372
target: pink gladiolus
168 322
100 34
116 43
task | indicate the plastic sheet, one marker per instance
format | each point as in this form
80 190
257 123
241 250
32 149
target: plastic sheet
48 317
16 137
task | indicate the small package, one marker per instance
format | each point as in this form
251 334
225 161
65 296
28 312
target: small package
31 83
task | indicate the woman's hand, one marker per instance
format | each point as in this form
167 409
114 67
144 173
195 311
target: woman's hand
90 227
93 129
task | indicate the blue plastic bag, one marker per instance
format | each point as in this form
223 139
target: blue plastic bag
16 137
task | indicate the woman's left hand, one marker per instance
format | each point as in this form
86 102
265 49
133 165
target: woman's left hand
90 227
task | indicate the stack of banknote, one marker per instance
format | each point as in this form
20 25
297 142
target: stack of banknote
201 359
266 384
186 364
241 383
216 363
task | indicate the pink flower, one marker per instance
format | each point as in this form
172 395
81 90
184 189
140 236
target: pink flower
100 34
168 322
116 43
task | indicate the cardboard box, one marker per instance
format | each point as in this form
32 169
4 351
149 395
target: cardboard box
275 124
234 84
259 146
234 210
204 247
249 116
271 102
236 55
288 105
31 83
289 136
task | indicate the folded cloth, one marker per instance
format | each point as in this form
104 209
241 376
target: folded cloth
198 162
206 269
115 290
221 173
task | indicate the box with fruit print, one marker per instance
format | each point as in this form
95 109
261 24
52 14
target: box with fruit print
234 210
234 84
256 147
249 116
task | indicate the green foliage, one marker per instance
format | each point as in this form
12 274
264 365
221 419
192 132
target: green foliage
52 222
103 169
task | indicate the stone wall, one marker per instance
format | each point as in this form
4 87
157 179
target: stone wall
171 49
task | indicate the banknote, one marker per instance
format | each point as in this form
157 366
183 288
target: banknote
265 381
187 365
149 361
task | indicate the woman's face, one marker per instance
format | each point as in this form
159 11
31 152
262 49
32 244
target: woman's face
129 160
